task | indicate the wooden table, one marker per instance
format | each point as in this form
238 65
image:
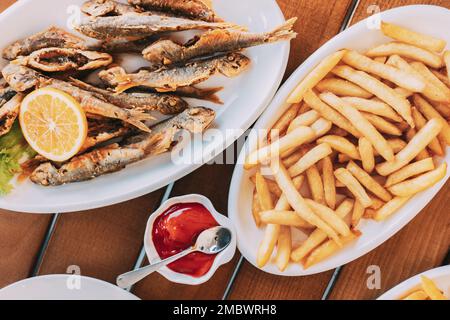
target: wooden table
106 242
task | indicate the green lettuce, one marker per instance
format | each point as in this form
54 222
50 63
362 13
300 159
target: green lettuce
13 147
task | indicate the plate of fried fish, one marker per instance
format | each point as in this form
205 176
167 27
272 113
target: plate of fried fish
103 101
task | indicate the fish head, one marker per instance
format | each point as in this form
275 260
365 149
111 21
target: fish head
98 8
20 78
163 52
197 119
233 64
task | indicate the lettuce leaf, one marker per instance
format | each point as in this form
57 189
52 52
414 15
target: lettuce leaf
13 147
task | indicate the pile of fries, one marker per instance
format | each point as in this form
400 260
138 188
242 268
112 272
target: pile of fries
362 130
429 291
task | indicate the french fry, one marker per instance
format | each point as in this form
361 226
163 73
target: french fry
284 218
416 295
431 91
420 183
376 107
376 203
424 154
304 108
256 209
396 144
304 119
297 202
272 185
409 171
379 89
447 63
382 125
367 157
289 141
435 145
315 184
430 113
341 145
408 51
262 189
431 289
380 59
353 185
318 236
342 88
357 214
432 79
370 213
401 78
328 215
411 37
442 77
361 124
315 76
443 109
284 247
336 131
321 127
327 249
282 124
310 158
340 184
390 208
329 113
329 187
368 182
418 143
294 157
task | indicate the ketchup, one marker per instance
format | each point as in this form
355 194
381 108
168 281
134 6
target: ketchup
177 229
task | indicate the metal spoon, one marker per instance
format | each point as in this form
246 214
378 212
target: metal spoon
210 241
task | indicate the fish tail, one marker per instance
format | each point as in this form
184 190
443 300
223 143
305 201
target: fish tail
136 118
283 32
210 94
124 83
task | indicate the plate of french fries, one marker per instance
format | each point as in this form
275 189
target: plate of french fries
351 149
430 285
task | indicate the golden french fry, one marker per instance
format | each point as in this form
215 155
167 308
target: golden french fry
376 203
367 157
424 154
409 51
327 249
321 127
380 59
376 107
329 187
382 125
304 108
256 209
418 143
310 158
442 77
443 109
291 140
262 189
368 182
396 145
416 295
361 123
357 214
353 185
345 207
340 184
447 63
328 215
341 145
315 76
379 89
409 171
432 79
329 113
431 289
272 185
342 88
304 119
293 158
430 113
282 124
284 247
401 78
284 218
315 183
420 183
435 145
335 131
390 208
296 200
411 37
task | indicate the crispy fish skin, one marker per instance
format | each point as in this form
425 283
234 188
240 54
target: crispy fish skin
100 8
9 112
137 26
114 158
22 78
65 59
164 103
194 9
6 94
97 136
166 80
52 37
168 52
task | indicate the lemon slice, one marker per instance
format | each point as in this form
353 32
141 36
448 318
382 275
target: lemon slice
53 123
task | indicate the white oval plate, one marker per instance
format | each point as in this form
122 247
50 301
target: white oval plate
427 19
64 287
245 98
440 276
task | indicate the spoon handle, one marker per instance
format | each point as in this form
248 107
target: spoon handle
128 279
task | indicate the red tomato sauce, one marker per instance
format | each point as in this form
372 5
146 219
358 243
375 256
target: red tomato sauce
177 229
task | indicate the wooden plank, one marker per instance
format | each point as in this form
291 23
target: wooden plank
318 22
420 246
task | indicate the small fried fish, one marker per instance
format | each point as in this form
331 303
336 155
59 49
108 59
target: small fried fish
52 37
166 80
168 52
101 8
65 59
9 112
